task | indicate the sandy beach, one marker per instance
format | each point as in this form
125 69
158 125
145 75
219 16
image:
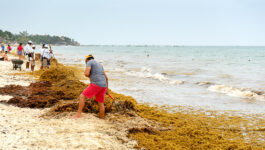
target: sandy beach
37 108
123 75
23 128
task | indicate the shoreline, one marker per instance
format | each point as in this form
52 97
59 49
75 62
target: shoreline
227 88
23 128
171 107
146 124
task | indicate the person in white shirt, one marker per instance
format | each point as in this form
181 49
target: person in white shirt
27 51
46 55
41 57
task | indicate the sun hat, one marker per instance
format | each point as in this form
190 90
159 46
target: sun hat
89 56
30 41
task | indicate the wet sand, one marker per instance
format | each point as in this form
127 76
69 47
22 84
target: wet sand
23 128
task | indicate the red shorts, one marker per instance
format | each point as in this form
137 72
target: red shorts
97 91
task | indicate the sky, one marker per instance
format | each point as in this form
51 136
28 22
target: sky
140 22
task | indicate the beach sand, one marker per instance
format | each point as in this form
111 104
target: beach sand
6 77
23 128
152 127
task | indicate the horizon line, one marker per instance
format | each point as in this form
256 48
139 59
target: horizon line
144 45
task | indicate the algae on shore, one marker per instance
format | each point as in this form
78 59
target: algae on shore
185 130
159 129
196 130
64 87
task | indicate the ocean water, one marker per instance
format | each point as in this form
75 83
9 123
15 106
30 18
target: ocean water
216 78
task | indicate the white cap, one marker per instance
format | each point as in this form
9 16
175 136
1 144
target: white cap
30 41
46 46
33 46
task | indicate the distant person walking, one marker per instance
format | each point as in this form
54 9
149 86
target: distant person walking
20 51
3 47
31 57
98 86
47 54
27 51
41 55
9 48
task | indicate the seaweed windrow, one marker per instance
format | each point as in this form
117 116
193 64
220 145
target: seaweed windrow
60 87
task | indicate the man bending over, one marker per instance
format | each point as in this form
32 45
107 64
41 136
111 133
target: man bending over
98 86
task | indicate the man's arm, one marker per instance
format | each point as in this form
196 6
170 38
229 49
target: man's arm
51 51
107 92
87 71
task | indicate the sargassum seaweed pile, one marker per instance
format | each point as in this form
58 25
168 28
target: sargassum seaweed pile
153 127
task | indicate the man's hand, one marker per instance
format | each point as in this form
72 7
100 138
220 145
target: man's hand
87 71
107 91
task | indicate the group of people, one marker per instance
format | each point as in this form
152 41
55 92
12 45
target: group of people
94 71
29 52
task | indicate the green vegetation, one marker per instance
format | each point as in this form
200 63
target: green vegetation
23 37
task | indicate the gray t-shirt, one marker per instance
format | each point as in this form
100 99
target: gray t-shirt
96 73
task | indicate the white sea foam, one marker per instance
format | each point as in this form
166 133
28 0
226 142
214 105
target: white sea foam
237 92
119 70
176 82
147 73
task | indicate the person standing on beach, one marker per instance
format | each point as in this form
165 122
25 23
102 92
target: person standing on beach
9 48
47 54
3 47
98 86
31 57
41 55
20 51
51 55
27 51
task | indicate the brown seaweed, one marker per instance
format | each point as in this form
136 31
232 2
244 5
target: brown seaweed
152 127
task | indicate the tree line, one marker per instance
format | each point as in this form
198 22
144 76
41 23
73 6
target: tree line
24 36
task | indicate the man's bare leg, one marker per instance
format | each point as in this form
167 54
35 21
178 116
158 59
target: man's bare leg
32 67
101 110
81 106
27 65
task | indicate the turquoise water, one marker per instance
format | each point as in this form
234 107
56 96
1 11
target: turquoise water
219 78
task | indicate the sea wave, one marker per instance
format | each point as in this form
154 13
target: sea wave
204 83
147 73
238 92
